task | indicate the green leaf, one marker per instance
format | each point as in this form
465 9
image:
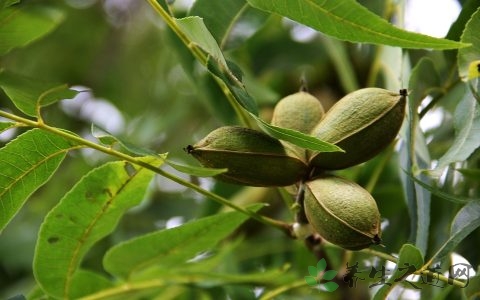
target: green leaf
206 280
6 125
441 194
467 130
466 220
321 265
349 21
29 93
312 271
468 8
87 213
311 280
108 139
230 22
196 171
297 138
329 275
171 247
467 55
198 33
20 25
27 163
410 260
330 286
423 80
86 282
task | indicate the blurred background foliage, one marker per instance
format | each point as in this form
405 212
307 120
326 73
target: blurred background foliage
139 83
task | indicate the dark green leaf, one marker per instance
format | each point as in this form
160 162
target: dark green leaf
465 221
329 275
171 247
312 271
470 54
29 93
87 213
330 286
297 138
410 260
349 21
230 22
22 24
196 171
27 163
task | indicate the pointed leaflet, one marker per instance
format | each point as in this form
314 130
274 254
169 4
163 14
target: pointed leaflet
469 54
230 22
467 130
29 93
410 260
22 24
107 138
86 282
198 33
297 138
439 193
171 247
465 221
195 171
26 163
349 21
87 213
